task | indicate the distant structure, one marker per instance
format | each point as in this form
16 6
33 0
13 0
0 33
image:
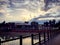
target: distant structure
51 24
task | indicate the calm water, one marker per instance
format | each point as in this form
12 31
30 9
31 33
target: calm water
26 41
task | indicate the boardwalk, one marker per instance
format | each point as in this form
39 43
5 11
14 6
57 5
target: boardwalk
55 41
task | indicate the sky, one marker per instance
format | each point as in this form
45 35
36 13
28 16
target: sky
29 10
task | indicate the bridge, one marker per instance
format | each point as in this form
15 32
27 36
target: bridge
50 37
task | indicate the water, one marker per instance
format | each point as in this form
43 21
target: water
26 41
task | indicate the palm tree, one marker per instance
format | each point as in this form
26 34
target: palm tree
46 23
50 23
54 21
58 24
34 24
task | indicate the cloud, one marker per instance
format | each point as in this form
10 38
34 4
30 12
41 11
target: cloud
51 3
30 5
53 13
1 14
27 10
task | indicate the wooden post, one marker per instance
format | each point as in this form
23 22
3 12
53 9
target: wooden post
48 34
39 39
44 37
52 33
32 42
21 40
0 41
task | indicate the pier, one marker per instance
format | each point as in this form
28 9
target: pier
47 35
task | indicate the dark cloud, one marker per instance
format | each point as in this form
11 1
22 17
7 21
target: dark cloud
1 14
50 1
30 5
2 2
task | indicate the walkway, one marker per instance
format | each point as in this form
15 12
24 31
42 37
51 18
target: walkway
55 41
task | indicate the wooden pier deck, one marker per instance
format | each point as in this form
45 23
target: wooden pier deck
54 41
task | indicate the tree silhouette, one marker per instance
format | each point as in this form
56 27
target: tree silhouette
58 24
34 25
52 23
46 23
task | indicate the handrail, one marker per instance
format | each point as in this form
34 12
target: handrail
17 38
49 33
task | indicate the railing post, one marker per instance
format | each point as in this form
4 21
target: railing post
44 37
32 42
51 33
48 34
39 39
0 41
21 40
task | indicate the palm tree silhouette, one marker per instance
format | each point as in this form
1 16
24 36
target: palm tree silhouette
46 23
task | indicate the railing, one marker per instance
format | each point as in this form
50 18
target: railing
47 35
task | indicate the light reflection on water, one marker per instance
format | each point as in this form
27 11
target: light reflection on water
16 42
26 41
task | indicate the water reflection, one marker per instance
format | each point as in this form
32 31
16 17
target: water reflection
15 42
26 41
